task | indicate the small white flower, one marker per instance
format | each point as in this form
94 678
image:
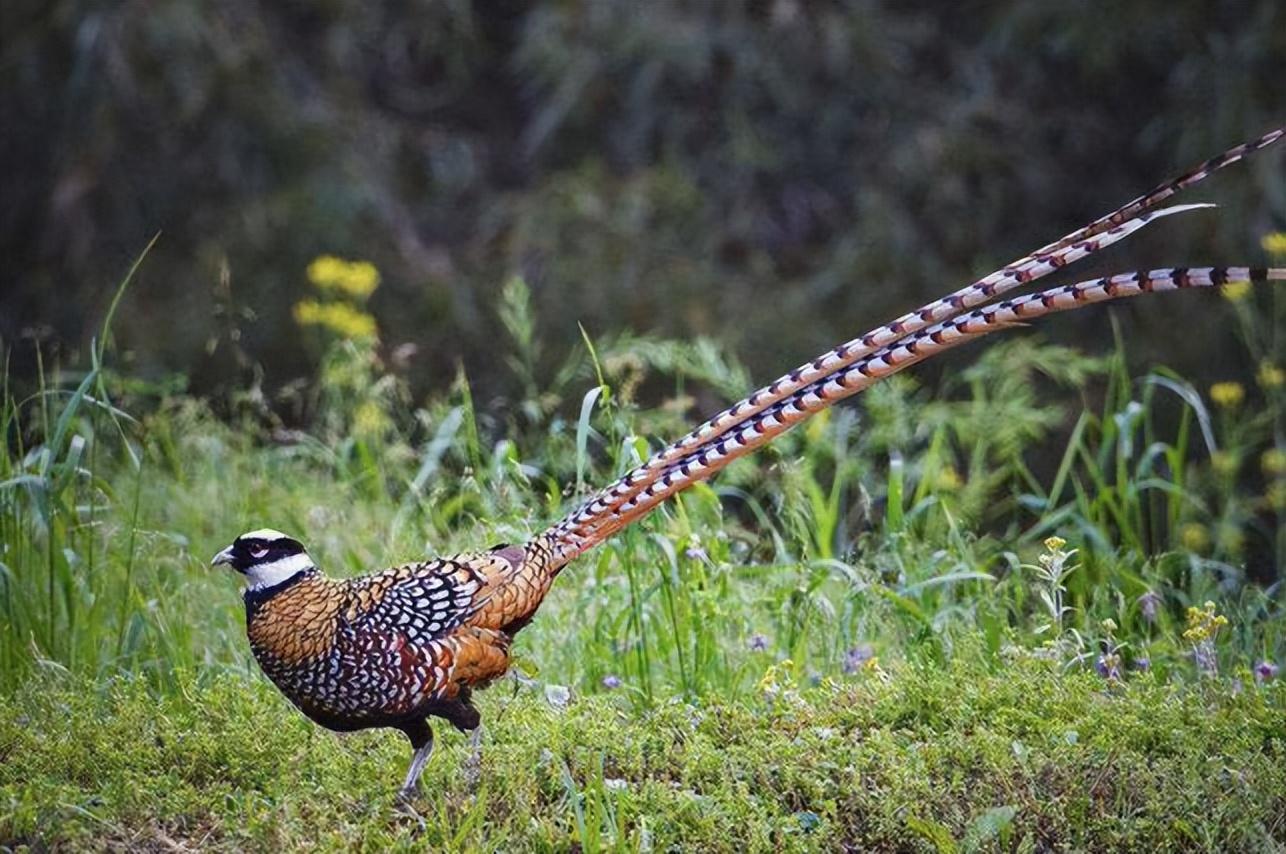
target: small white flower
558 696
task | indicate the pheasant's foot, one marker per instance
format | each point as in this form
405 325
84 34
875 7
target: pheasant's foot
403 804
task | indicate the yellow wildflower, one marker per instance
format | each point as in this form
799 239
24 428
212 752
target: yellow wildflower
1275 243
324 269
1055 543
357 279
770 684
1270 376
1203 623
339 317
1235 291
1273 462
1227 394
1195 537
307 312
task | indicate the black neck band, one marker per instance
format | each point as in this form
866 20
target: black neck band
254 598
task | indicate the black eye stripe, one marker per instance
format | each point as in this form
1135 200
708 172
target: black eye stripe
282 547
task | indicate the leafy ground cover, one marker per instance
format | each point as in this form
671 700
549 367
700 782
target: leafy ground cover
964 757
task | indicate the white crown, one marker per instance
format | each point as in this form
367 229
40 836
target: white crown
263 534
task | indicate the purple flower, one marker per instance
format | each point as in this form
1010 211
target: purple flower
611 682
1149 605
1143 664
1266 670
757 643
856 657
1108 666
695 552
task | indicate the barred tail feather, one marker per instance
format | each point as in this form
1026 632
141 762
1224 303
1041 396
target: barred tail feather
1097 235
1002 281
570 537
1068 249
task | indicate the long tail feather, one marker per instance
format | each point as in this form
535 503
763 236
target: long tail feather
1097 235
607 499
570 538
1068 249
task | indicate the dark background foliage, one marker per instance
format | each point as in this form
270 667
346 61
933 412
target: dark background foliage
781 175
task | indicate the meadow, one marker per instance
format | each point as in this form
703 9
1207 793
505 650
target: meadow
1033 604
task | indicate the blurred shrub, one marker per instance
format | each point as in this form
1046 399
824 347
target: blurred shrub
776 173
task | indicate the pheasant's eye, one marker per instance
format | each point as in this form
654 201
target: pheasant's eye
257 552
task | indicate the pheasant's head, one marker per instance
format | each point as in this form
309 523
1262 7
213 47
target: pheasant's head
266 558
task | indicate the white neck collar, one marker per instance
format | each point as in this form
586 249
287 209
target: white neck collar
265 575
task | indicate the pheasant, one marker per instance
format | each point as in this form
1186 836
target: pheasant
398 647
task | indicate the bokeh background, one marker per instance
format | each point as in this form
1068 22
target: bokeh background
777 174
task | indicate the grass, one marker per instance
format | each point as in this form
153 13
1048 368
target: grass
864 636
924 757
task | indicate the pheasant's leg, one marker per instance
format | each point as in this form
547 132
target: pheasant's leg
421 736
473 765
411 785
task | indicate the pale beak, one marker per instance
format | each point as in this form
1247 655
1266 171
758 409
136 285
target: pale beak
224 556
